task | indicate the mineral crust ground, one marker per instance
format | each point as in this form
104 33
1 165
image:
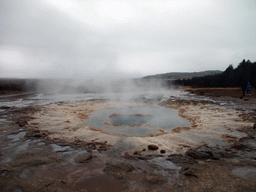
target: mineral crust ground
51 148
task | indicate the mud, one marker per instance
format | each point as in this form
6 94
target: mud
50 148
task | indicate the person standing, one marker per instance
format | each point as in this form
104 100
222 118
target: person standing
244 87
249 87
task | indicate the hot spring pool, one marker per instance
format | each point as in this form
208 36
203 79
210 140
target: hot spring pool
136 121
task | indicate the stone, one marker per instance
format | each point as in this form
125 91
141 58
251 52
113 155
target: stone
245 143
152 147
238 146
36 133
162 151
181 160
82 158
205 152
137 153
22 122
128 156
63 180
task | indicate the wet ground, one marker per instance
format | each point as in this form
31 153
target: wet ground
49 148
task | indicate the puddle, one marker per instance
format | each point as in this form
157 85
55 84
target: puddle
40 143
246 172
57 148
17 137
166 168
164 163
137 121
23 146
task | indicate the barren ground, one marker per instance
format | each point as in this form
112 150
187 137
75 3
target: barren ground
51 148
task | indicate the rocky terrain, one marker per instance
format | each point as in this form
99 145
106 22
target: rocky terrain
49 148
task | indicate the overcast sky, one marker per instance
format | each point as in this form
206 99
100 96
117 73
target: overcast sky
123 38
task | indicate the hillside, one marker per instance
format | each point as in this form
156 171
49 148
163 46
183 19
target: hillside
182 75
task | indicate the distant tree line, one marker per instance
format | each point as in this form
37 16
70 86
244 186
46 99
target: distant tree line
238 77
18 85
181 75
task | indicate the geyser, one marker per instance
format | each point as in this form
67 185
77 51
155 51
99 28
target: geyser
136 121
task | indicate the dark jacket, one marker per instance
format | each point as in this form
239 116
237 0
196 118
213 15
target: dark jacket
249 87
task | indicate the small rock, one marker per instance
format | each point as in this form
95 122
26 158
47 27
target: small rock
162 151
63 180
238 146
128 156
137 153
49 183
83 157
246 99
205 152
192 172
181 160
143 149
22 122
254 126
35 133
152 147
102 148
34 123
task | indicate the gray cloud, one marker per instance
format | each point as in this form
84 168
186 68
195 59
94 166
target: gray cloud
120 39
52 43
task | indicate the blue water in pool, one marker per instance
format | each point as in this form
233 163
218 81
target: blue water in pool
152 119
130 119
